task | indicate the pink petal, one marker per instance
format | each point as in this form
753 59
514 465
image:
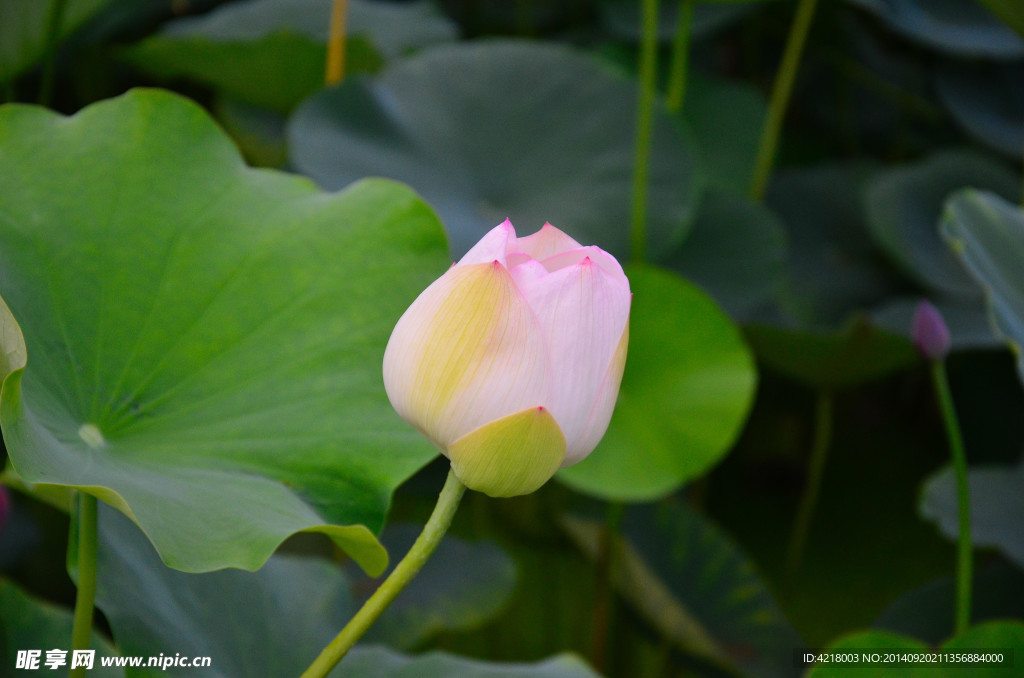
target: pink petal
583 311
468 351
492 247
546 242
604 404
597 255
528 272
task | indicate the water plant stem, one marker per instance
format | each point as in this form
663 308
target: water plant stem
645 108
779 101
421 550
677 74
81 631
54 21
964 566
823 419
335 70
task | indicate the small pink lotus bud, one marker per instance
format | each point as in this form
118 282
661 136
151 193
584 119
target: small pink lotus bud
930 332
510 362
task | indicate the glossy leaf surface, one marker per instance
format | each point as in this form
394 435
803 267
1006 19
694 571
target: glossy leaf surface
204 340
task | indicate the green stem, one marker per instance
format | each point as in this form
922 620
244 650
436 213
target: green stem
81 633
779 101
680 58
956 447
645 108
403 573
823 419
53 26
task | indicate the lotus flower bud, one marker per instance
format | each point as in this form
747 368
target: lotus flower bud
510 362
930 332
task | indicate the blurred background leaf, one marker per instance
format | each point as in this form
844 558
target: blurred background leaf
997 503
27 623
687 389
696 588
986 233
25 27
275 621
480 153
963 27
272 52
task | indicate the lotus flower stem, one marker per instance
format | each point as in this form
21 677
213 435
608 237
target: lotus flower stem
819 453
81 632
336 43
680 58
956 445
403 573
780 98
645 106
54 21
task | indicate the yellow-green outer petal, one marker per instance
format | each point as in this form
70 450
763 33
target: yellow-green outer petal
510 456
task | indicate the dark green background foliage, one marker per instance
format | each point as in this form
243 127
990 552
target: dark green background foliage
203 251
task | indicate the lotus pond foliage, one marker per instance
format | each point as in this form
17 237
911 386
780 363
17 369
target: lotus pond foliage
252 411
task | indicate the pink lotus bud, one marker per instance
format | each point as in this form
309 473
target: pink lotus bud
510 362
930 332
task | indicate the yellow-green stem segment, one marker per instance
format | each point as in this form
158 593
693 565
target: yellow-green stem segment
964 568
816 472
677 74
335 70
81 632
644 113
779 101
403 573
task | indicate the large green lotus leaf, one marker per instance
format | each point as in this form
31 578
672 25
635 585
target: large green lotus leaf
394 29
996 503
276 71
462 586
686 392
737 253
960 27
27 623
834 268
927 612
24 27
856 354
696 588
726 118
987 100
986 233
1007 636
272 622
272 52
526 131
204 340
904 205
